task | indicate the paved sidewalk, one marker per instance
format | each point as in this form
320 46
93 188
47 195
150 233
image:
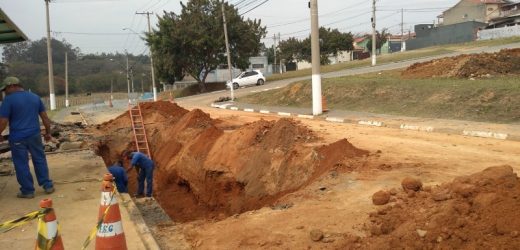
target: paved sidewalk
469 128
77 179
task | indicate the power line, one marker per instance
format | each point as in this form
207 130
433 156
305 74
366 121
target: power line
262 3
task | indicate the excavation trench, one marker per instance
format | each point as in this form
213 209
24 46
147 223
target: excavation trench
206 170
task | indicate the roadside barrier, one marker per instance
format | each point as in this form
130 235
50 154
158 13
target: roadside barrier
108 231
9 225
48 228
49 237
110 234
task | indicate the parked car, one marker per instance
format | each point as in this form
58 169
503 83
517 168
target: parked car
254 77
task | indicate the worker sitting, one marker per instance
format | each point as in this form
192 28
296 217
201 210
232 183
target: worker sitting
121 179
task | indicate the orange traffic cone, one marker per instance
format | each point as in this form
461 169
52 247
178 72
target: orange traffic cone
324 104
110 234
171 98
48 230
110 103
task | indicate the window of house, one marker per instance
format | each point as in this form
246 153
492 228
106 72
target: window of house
258 66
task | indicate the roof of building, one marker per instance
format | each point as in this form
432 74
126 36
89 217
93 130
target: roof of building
9 32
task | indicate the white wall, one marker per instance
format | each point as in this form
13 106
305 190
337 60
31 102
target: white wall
498 33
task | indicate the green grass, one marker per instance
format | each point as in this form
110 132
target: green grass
395 57
491 100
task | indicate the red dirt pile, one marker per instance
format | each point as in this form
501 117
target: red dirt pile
204 171
505 62
479 211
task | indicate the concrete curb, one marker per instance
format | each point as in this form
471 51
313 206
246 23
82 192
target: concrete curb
135 215
427 129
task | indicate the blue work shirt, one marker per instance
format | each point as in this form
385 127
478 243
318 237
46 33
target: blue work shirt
141 160
121 179
22 109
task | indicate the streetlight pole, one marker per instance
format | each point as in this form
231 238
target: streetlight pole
128 76
66 80
317 108
374 39
151 55
52 96
228 53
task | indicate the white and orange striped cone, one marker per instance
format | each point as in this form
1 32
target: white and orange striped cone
171 98
48 229
110 234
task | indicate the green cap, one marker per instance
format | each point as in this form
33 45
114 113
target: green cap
11 80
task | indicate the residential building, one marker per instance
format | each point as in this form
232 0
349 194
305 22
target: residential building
482 11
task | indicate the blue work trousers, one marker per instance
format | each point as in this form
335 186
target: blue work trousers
20 150
145 174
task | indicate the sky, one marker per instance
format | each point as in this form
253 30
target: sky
97 26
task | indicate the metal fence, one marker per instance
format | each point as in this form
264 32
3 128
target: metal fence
95 98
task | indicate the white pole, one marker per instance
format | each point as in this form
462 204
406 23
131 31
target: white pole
317 108
128 77
52 96
374 40
228 53
66 80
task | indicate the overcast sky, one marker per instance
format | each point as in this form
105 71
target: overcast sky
96 26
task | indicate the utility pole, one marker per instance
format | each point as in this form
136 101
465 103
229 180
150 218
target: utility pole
403 45
374 40
228 53
52 96
66 80
275 69
142 85
151 55
127 76
132 78
280 59
317 108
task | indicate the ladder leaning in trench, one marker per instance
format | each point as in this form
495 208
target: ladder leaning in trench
141 140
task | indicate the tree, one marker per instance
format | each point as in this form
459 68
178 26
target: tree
332 41
193 42
381 39
290 50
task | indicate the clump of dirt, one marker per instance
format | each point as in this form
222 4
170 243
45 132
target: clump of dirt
205 171
505 62
479 211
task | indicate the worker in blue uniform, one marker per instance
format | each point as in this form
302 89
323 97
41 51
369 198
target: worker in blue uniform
21 110
144 165
120 177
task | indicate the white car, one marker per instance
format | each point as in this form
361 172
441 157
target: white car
254 77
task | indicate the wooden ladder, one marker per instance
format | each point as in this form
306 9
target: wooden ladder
140 137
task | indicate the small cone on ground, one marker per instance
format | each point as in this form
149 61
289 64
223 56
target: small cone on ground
171 98
324 104
48 230
110 234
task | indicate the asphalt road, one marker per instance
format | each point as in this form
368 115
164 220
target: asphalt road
208 98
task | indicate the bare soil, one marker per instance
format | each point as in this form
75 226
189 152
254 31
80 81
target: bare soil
209 169
327 204
478 211
505 62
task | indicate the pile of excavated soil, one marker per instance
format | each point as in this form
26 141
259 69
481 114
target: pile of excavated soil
204 171
479 211
505 62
